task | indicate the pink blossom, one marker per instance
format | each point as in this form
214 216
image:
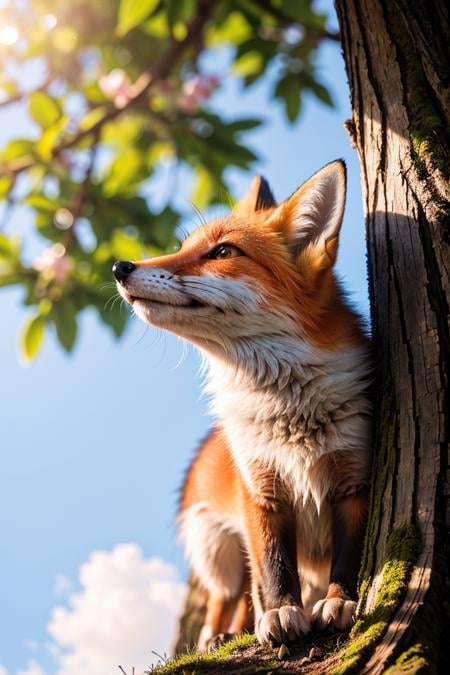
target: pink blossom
117 86
196 90
54 262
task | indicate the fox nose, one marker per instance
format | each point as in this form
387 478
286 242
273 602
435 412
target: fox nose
122 269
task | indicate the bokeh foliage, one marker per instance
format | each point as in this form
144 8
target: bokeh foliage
121 92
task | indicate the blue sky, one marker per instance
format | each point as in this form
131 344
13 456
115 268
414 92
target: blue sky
94 445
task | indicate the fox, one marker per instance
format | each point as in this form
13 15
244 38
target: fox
274 505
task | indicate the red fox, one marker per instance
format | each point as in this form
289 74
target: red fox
276 497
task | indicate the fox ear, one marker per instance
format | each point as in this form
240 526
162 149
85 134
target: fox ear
258 197
311 218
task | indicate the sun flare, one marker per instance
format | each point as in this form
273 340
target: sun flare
9 34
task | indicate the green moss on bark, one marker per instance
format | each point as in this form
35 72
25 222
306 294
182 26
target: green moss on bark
429 130
402 549
383 462
412 661
424 648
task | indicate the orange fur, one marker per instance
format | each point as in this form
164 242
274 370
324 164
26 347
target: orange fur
213 478
322 314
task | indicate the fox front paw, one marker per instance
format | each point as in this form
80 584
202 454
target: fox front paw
286 624
334 614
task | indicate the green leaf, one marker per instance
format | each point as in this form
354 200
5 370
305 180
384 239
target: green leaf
45 307
234 29
132 13
245 124
8 277
127 169
92 117
20 147
64 318
249 63
322 93
32 336
157 151
266 49
50 138
10 266
41 202
179 10
161 231
9 87
288 90
125 246
43 109
301 12
10 247
103 253
157 25
293 105
6 183
125 131
203 188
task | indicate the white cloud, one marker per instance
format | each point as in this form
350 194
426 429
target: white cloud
32 668
127 606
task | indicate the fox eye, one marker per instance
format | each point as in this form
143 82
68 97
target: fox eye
224 251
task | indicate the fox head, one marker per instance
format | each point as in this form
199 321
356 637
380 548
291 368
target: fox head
263 272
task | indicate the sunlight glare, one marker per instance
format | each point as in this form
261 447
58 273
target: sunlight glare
49 21
8 35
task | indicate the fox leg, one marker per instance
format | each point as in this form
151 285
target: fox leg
219 614
243 615
279 615
225 618
337 610
215 552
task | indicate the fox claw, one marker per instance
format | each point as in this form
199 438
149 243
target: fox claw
286 624
334 614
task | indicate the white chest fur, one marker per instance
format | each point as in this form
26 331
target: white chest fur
296 405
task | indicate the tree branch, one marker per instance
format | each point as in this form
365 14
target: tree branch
80 197
23 94
145 81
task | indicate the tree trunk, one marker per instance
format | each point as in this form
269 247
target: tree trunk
396 55
193 617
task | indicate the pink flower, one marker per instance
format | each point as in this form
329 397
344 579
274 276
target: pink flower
196 90
54 262
117 86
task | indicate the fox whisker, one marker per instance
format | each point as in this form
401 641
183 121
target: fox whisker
194 283
111 300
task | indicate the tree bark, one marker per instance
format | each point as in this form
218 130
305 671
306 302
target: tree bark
192 618
396 55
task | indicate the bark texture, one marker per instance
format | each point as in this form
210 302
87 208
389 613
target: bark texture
396 55
192 618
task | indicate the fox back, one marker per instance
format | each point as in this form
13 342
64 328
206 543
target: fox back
276 497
